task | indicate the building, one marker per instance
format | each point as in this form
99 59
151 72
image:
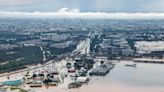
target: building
127 52
55 36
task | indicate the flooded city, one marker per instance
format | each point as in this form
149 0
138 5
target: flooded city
81 45
142 78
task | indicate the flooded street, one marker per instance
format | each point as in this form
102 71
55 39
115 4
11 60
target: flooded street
142 78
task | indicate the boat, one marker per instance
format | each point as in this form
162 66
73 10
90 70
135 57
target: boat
131 65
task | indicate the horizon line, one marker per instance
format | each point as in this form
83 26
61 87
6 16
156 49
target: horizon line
75 13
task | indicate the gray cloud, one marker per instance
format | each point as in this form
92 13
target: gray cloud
84 5
75 13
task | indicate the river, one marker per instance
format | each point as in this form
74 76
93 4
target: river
143 78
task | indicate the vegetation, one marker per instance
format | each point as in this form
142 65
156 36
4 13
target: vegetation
17 88
93 43
11 37
131 43
59 51
21 57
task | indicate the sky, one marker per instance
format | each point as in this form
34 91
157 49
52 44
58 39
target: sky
83 5
146 8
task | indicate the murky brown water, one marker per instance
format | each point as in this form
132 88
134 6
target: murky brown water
143 78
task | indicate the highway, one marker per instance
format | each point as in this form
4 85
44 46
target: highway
83 48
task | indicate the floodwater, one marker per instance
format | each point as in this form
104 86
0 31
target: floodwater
143 78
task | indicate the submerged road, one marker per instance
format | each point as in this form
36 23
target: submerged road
84 47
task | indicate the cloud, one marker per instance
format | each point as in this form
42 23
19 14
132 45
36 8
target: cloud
75 13
84 5
66 10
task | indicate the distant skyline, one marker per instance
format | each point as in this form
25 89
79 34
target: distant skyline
128 6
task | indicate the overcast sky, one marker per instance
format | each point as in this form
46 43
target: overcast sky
90 9
83 5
